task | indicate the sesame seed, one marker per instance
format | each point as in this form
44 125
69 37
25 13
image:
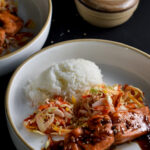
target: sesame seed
62 34
68 31
52 42
85 34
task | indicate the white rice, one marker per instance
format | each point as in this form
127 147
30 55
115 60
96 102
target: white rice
67 78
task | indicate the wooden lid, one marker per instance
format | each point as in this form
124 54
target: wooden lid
110 5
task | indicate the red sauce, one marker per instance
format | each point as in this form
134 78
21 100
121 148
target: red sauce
144 142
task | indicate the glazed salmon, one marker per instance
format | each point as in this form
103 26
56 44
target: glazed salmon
97 136
129 125
104 130
2 37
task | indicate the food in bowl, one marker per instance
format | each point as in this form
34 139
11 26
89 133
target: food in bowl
10 26
100 117
67 78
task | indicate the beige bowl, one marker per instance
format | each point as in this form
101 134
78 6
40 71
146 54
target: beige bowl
104 19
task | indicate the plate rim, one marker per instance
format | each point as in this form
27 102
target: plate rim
7 113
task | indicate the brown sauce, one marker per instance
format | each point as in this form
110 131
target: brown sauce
144 142
57 145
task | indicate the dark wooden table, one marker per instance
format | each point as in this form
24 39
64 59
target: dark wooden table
67 24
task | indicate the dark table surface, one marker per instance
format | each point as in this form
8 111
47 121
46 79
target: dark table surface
67 24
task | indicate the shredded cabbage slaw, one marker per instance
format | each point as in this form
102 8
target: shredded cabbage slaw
56 116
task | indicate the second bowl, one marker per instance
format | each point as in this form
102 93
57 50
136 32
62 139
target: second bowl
41 14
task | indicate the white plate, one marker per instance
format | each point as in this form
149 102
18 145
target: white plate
119 63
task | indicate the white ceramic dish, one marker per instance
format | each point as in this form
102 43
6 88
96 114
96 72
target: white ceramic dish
41 14
119 63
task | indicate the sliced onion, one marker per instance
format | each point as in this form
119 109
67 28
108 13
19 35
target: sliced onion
67 115
82 111
98 103
57 102
66 105
122 108
42 125
59 113
110 102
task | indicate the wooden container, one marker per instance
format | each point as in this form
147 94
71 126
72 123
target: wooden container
106 14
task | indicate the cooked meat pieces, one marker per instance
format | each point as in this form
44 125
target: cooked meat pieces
2 37
97 136
129 125
104 130
11 23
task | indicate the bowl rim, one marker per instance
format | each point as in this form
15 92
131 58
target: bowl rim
7 113
107 12
35 38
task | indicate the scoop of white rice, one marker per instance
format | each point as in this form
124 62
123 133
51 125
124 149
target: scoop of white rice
67 78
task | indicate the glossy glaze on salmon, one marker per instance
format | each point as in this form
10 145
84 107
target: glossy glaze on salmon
97 136
129 125
104 130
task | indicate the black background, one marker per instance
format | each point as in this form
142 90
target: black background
67 24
